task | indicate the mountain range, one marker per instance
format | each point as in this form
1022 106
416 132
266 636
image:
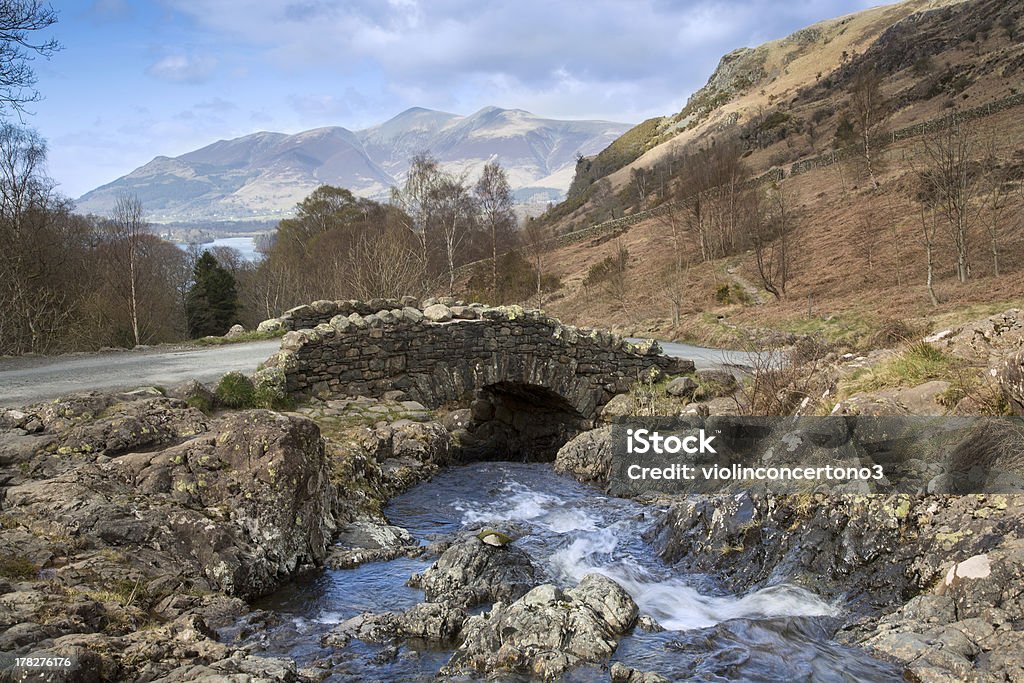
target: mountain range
264 175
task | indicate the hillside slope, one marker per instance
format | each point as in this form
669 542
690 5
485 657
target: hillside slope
858 259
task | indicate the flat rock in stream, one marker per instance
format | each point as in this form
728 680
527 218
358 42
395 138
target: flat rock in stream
436 622
365 541
471 572
547 631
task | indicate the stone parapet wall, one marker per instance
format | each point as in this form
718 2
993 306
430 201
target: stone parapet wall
439 353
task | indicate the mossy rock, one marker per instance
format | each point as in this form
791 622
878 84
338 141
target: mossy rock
495 538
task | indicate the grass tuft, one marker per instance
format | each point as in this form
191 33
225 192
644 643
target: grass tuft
917 364
235 390
240 339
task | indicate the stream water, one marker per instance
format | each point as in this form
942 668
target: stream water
780 633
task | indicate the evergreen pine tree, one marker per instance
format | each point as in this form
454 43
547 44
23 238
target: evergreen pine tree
211 305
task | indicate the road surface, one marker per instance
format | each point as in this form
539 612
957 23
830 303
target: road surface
705 358
38 378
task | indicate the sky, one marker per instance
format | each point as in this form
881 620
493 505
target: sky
138 79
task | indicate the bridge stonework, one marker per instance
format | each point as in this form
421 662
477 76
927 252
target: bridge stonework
438 354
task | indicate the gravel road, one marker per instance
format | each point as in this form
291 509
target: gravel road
38 378
28 380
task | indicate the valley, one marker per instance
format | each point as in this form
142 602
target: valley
387 402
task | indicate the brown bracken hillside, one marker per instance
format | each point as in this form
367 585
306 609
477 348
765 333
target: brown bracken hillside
844 145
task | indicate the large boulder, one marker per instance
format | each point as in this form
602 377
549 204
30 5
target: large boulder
438 313
472 572
682 387
432 621
588 456
237 509
715 382
235 331
548 631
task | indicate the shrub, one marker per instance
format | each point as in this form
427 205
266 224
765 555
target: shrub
894 332
607 268
235 390
200 403
731 294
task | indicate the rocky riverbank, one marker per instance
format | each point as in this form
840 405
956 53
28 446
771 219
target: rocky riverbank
932 582
136 531
133 524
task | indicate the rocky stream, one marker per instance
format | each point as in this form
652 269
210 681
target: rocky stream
349 539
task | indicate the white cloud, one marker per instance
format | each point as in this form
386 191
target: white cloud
182 68
653 51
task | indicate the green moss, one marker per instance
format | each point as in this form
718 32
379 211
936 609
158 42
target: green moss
200 403
242 338
499 539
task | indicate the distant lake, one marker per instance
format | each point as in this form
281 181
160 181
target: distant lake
246 246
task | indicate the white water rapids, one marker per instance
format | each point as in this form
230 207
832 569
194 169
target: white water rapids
781 633
596 543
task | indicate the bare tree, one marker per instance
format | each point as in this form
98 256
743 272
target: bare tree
605 200
771 228
609 276
415 198
929 230
711 189
868 107
494 199
128 228
454 212
536 245
641 179
384 264
995 186
952 182
20 21
924 193
672 218
31 219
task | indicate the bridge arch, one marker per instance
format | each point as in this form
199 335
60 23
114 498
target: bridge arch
522 362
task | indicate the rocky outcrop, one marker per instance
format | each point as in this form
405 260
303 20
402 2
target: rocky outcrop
239 508
126 520
985 340
548 631
963 628
181 651
960 555
473 572
588 457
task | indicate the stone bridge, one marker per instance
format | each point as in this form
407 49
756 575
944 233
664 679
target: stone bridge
531 381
